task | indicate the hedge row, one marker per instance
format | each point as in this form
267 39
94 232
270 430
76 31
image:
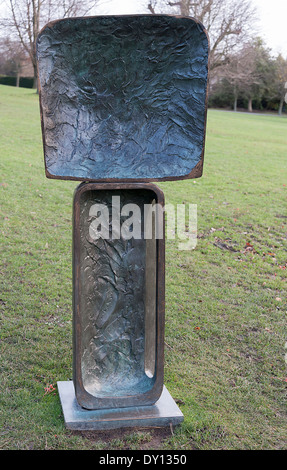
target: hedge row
25 82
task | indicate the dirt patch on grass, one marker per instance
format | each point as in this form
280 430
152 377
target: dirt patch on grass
131 439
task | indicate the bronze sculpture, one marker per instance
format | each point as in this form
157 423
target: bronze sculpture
123 103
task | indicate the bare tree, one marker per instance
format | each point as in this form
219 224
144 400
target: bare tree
280 81
12 58
248 73
238 73
228 22
25 18
241 72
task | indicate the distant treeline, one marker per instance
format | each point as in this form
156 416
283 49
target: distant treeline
226 101
250 78
222 97
24 82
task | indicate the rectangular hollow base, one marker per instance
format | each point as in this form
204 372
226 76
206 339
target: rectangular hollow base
163 413
118 295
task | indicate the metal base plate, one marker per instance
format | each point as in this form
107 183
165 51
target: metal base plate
163 413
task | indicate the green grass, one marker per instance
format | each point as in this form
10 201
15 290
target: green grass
225 300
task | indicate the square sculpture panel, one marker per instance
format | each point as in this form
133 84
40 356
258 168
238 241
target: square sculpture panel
123 98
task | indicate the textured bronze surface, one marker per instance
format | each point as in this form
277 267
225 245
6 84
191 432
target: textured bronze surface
118 303
123 98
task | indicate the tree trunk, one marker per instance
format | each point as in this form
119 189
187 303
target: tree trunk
250 105
35 81
235 102
281 106
17 79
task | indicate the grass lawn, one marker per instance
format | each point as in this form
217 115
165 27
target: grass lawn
225 300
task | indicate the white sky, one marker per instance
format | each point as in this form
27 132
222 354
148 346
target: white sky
272 16
273 23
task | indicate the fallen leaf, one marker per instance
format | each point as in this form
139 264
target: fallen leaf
248 244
